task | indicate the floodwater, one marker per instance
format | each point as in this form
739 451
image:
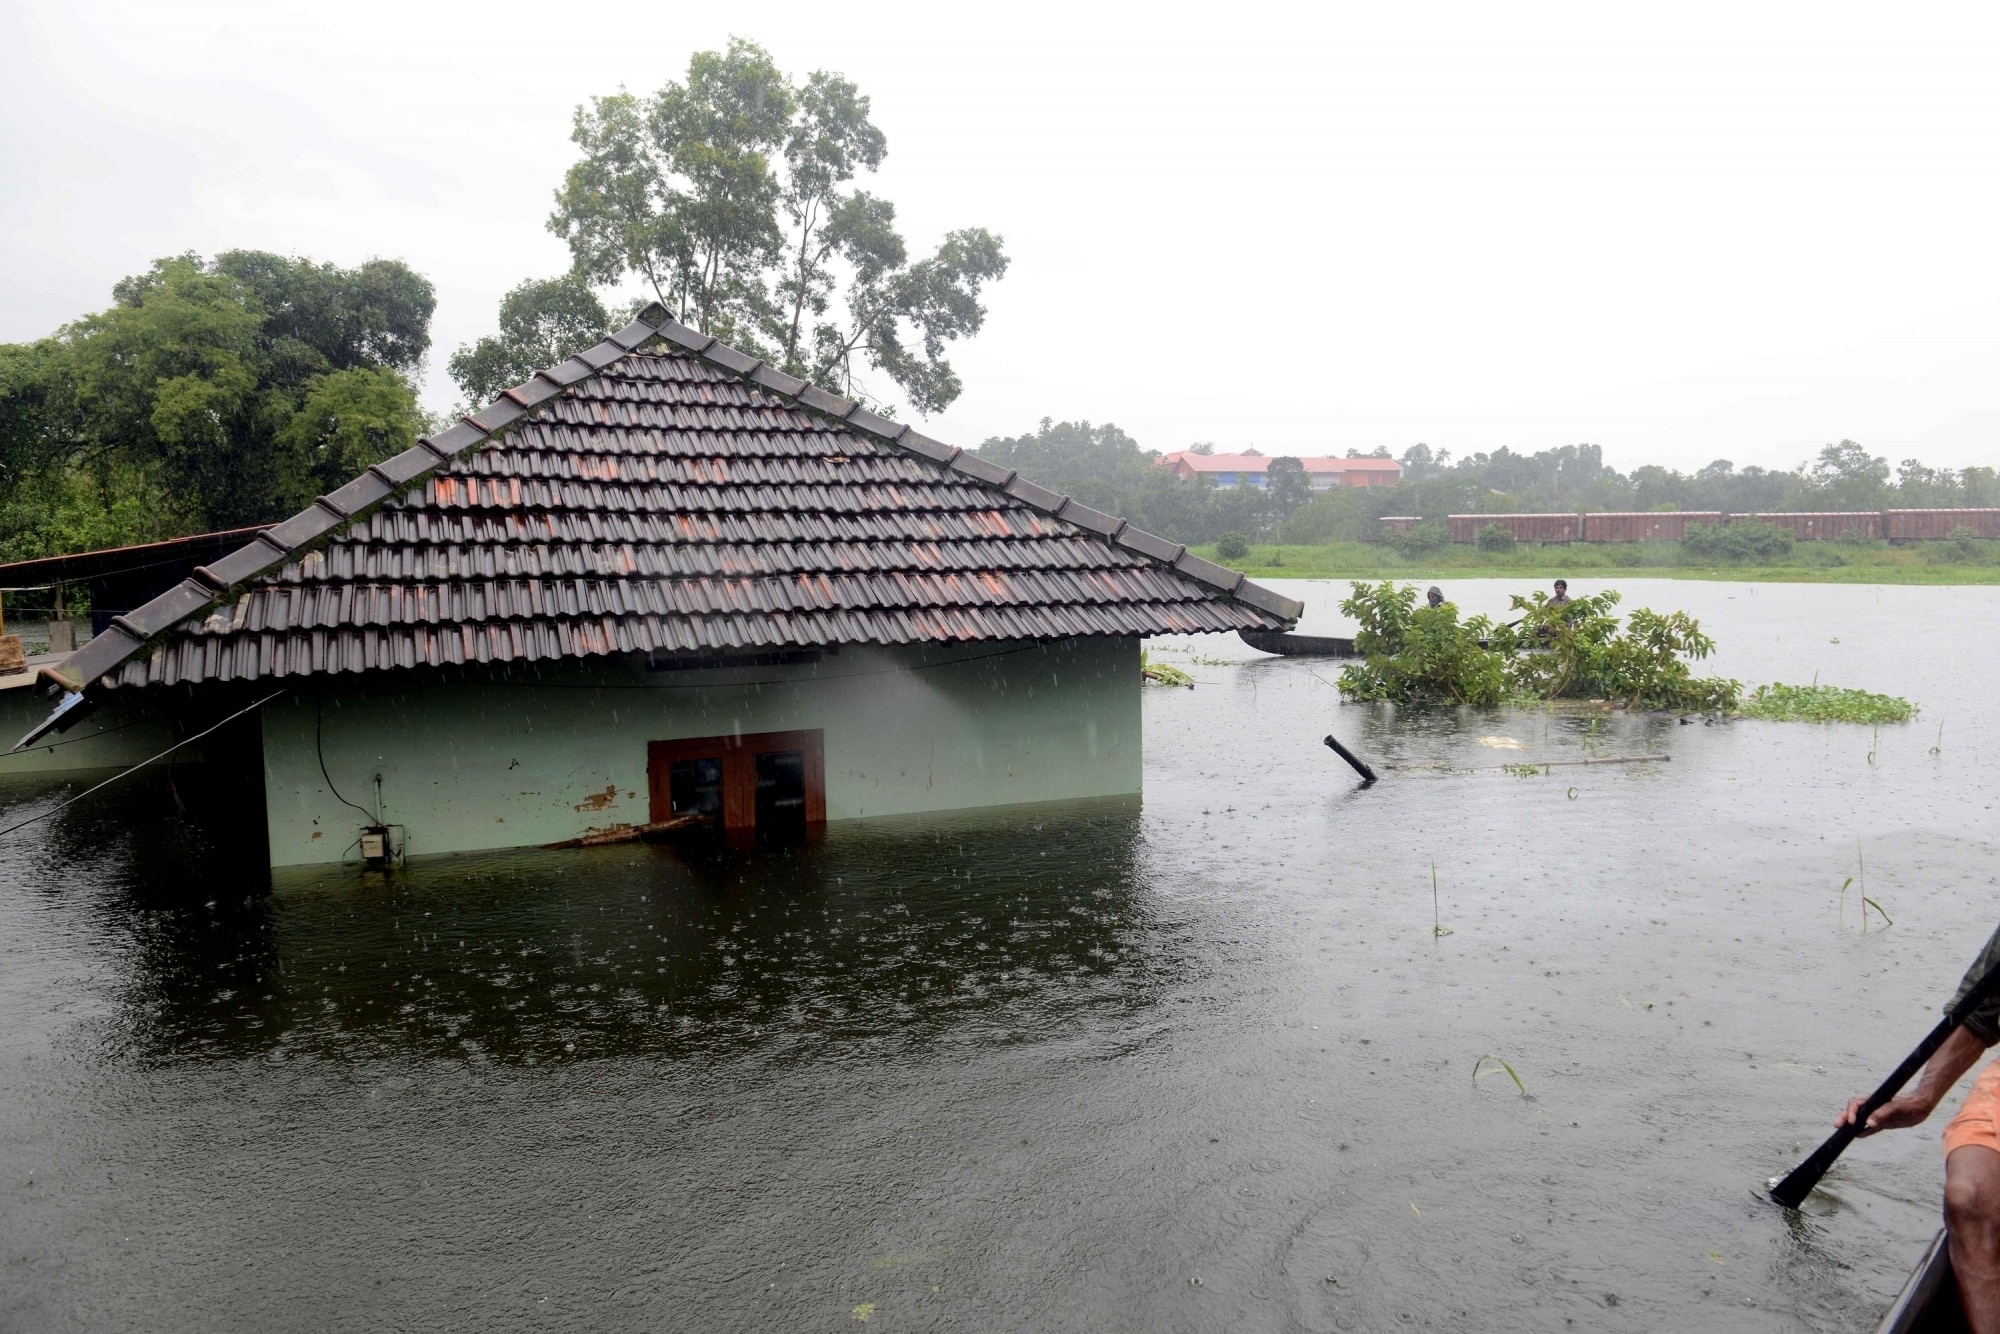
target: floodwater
1197 1064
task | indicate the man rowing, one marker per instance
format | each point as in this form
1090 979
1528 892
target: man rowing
1971 1146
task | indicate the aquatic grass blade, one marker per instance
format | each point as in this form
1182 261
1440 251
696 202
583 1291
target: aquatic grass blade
1500 1061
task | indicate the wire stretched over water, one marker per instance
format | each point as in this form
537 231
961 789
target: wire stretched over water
126 773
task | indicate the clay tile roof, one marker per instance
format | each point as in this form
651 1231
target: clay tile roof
662 492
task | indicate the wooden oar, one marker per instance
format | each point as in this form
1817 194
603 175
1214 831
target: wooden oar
1792 1190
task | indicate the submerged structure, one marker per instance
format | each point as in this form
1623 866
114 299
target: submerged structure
662 580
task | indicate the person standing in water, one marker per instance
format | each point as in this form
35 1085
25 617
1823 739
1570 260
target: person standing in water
1562 593
1971 1146
1435 597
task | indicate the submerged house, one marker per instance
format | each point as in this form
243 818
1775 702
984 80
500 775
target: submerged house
664 579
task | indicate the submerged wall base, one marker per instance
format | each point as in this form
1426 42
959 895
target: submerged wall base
518 758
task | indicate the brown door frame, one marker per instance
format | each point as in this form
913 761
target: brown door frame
738 754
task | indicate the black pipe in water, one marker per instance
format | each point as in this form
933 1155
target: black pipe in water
1360 765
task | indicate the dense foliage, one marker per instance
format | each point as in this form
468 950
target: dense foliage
210 394
1415 654
729 196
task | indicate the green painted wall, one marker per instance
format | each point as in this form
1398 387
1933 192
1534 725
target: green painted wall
526 757
119 733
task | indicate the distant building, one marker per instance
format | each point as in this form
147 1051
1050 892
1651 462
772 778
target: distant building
1248 468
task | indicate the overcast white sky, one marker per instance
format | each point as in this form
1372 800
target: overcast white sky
1683 232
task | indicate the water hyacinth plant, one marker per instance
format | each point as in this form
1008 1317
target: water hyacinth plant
1162 674
1826 704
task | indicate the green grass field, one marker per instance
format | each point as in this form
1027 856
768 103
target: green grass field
1809 562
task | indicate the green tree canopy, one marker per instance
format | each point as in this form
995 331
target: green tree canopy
541 324
215 393
730 196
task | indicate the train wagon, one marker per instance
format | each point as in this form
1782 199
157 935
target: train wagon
1545 528
1646 526
1936 525
1822 525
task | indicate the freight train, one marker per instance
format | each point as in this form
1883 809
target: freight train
1672 525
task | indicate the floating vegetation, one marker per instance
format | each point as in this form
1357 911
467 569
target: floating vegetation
1479 1066
1780 703
1160 673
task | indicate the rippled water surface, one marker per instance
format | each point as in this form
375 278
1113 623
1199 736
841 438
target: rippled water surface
1193 1064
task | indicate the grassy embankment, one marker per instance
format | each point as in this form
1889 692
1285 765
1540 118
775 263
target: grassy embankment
1809 562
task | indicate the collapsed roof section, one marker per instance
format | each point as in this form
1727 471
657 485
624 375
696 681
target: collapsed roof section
683 499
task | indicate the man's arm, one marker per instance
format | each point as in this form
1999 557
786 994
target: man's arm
1953 1059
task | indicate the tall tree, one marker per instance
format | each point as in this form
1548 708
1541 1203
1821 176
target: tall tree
1847 477
1286 482
541 324
730 196
831 139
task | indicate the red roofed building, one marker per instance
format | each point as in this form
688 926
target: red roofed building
1247 469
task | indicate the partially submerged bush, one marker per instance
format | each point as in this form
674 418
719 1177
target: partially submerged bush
1421 540
1413 654
1825 704
1582 655
1753 539
1572 650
